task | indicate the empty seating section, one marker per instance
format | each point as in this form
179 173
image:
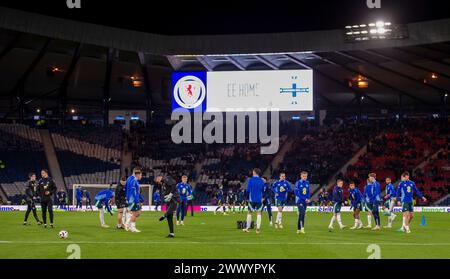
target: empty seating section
89 154
21 152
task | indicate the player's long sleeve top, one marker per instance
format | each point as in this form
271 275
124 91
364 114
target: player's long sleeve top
169 186
46 189
78 194
267 195
355 196
377 191
390 191
372 192
406 191
255 189
281 188
368 193
132 189
338 194
184 190
120 193
61 196
30 191
156 197
105 196
301 189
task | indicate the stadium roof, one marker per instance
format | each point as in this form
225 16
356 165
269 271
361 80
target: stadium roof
234 16
96 62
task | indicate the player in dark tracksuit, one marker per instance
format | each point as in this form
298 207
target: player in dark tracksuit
61 198
171 197
31 197
87 195
46 190
267 198
338 199
121 203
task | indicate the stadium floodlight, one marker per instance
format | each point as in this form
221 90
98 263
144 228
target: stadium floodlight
375 31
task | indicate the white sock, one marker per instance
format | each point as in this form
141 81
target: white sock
249 221
258 221
404 222
332 220
369 220
339 219
281 217
102 216
133 225
356 222
124 216
128 219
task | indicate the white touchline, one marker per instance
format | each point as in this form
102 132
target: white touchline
224 243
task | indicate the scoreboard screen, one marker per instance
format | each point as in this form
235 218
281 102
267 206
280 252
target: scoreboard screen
284 90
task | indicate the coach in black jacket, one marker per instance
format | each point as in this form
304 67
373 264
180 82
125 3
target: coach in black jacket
46 190
171 197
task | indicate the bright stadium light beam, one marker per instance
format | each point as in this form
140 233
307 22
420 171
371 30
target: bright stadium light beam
379 30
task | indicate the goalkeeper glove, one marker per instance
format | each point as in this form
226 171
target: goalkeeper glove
168 197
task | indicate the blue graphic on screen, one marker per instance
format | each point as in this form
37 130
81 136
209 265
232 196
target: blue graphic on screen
189 91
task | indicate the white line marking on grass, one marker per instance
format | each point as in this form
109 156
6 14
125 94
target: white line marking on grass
220 243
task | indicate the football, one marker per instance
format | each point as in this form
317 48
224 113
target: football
63 234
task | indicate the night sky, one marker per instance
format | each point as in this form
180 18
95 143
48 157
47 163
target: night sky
175 17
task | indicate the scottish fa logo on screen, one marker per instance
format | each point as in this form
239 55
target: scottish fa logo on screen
189 91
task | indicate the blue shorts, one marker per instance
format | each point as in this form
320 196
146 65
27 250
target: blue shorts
407 207
134 207
280 203
337 207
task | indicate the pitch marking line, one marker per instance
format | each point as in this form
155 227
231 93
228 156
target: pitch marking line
215 243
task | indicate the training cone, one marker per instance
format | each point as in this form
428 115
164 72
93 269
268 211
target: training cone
424 223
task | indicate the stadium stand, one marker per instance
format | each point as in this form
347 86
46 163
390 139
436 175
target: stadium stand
89 154
21 152
403 145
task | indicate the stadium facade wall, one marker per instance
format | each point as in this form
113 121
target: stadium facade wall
328 40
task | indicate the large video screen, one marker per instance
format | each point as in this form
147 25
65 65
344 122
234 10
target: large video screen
285 90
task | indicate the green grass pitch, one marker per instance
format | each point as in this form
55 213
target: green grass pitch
210 236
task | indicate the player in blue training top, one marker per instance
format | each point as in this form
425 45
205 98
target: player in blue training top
281 188
133 200
157 199
356 200
368 206
220 201
373 198
255 189
185 191
405 192
267 198
338 199
103 198
389 204
302 198
79 198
